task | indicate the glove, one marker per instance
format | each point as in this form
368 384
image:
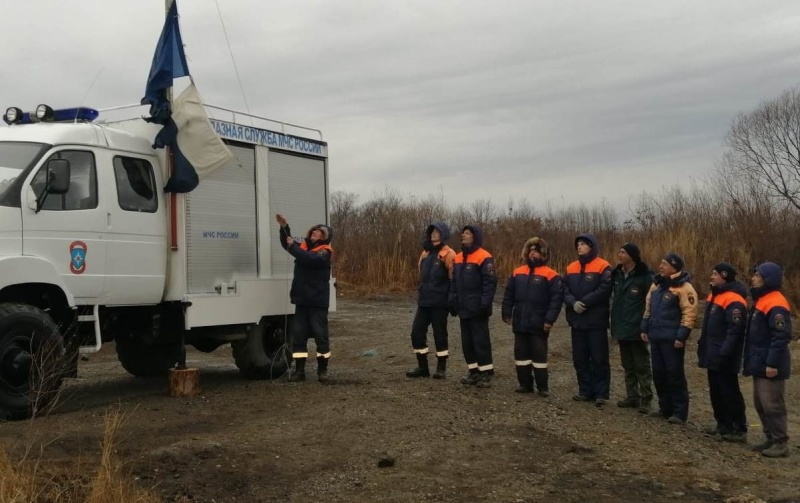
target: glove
579 307
507 321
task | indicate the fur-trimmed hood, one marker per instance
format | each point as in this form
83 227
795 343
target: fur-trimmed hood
327 234
540 245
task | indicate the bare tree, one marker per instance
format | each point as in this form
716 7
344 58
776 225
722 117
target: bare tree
483 211
764 147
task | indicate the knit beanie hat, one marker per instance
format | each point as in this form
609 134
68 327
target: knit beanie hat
675 261
633 251
727 271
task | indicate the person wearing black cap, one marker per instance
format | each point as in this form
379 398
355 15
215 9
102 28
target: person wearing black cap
632 280
669 317
310 293
767 357
719 350
587 289
435 269
471 295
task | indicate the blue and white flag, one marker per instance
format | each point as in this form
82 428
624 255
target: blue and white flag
169 63
196 148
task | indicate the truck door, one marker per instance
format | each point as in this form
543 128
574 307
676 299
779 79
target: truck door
68 231
137 231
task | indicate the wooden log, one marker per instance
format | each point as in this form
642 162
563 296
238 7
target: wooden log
184 382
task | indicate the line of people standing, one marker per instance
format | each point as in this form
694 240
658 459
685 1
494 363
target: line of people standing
651 317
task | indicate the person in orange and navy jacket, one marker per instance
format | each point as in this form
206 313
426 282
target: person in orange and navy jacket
670 315
767 357
531 304
719 350
587 289
310 294
471 295
435 269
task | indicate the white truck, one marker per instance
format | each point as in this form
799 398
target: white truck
92 250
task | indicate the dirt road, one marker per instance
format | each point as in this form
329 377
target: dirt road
244 441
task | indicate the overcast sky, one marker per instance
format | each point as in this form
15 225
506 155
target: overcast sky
566 101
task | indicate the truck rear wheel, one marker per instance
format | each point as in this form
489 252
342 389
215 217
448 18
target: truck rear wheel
265 353
31 361
141 359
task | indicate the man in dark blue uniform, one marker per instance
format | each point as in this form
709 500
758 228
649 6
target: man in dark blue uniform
310 294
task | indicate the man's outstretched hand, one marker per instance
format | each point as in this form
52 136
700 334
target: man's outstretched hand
281 220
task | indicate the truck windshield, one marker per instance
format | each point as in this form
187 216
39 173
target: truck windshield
16 158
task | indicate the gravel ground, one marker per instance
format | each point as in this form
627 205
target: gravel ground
248 441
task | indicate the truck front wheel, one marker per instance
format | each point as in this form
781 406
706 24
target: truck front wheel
31 361
265 353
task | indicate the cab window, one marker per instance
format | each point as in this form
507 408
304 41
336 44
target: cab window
136 184
82 193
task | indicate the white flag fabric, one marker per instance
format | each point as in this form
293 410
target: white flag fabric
196 139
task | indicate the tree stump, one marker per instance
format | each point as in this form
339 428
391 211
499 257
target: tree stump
184 382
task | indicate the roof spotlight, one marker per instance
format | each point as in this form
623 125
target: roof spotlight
44 113
13 115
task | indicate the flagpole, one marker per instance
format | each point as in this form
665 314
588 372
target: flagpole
173 197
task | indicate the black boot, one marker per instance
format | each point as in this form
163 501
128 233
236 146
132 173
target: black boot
299 374
471 378
322 369
525 379
441 367
422 369
542 378
485 379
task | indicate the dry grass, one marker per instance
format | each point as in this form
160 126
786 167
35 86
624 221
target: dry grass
32 482
378 241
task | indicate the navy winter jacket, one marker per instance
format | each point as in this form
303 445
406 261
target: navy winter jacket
434 269
588 280
532 298
722 339
312 268
671 308
769 327
474 279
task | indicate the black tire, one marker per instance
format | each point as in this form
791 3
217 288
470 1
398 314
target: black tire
141 359
32 361
265 353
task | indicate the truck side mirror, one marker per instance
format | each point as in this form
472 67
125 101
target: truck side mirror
58 176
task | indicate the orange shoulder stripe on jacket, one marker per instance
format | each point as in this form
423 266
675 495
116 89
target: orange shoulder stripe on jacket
772 300
304 246
445 251
522 270
546 272
724 300
476 257
596 266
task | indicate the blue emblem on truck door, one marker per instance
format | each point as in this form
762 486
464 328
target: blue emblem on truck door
77 254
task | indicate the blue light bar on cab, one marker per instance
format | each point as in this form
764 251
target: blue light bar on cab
78 114
75 114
